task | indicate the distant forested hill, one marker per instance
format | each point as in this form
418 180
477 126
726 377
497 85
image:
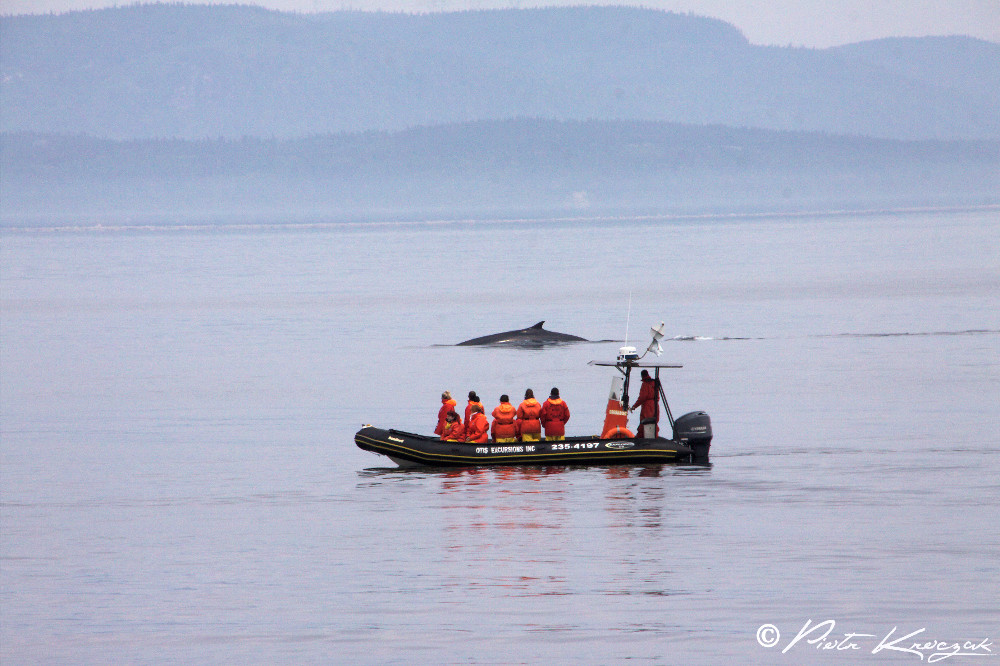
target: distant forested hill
514 167
225 71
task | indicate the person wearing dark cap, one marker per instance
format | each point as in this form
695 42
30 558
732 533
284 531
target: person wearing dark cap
503 429
453 430
529 427
555 414
649 400
473 400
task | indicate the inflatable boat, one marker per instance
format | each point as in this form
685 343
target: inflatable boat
691 434
407 449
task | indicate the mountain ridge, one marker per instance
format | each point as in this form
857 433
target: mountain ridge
185 71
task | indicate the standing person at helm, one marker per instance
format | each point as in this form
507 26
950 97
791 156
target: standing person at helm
649 400
555 414
473 400
504 430
529 427
447 405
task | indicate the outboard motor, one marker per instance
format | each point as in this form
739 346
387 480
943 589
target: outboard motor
694 430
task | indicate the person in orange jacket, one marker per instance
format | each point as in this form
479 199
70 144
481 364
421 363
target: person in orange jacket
555 414
447 405
477 426
649 400
473 400
529 427
503 429
453 430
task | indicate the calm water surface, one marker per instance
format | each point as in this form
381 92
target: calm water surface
180 482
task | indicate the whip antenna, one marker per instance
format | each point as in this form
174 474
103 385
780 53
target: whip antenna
628 315
627 354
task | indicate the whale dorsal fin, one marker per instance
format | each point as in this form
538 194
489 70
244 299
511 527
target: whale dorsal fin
538 325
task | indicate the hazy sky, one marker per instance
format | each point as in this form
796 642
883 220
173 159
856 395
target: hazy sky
801 22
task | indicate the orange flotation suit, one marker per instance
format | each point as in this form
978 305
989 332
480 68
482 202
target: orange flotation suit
477 430
528 421
468 409
649 400
454 432
503 429
446 406
554 415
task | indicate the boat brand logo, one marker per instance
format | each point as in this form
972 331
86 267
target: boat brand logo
620 445
395 439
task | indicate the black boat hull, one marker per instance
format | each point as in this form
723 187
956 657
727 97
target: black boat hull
408 449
